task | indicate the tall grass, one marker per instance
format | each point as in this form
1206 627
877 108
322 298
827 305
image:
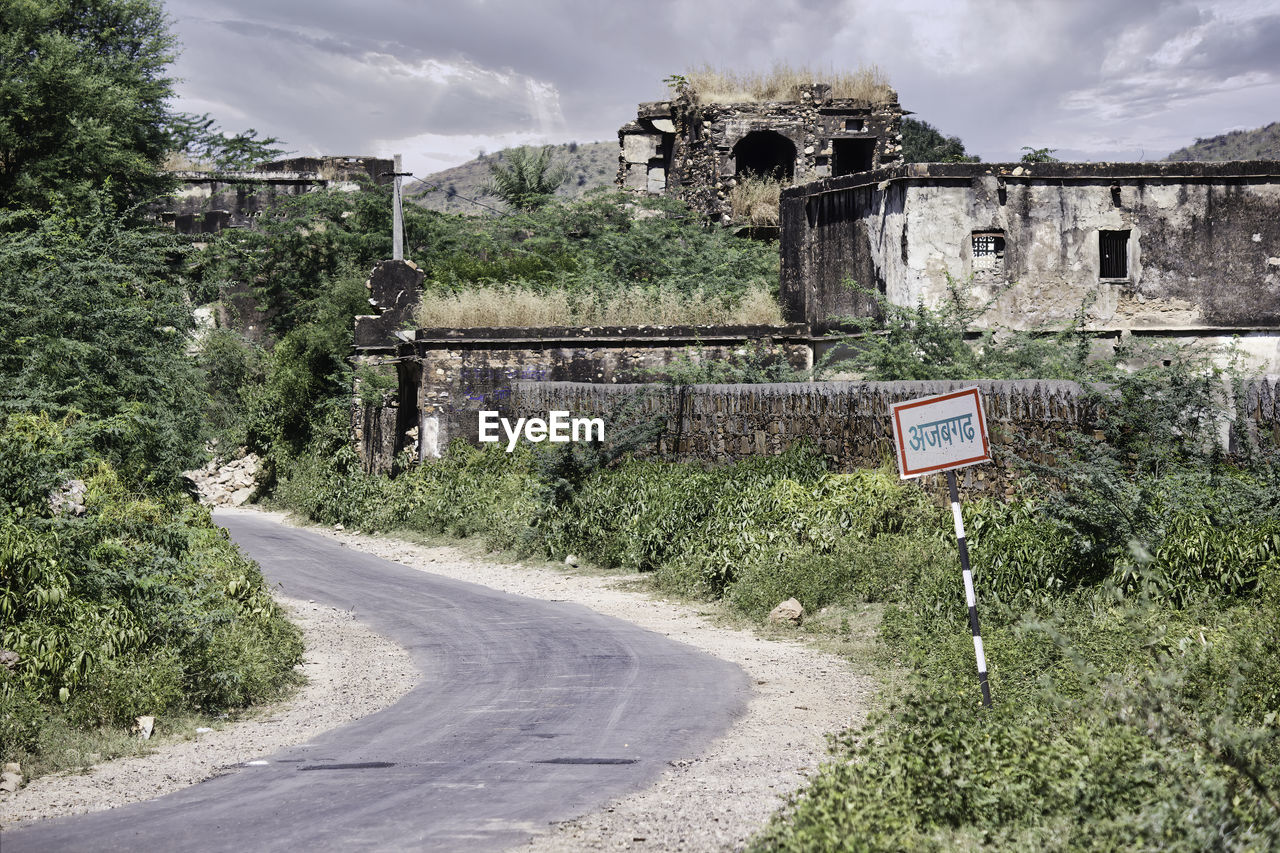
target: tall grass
783 82
508 306
754 200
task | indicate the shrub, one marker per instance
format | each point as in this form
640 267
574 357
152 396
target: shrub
885 568
754 200
138 606
117 691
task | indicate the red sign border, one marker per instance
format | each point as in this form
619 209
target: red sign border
895 408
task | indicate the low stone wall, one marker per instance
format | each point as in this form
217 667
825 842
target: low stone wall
847 421
458 373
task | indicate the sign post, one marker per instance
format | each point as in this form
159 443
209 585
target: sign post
943 433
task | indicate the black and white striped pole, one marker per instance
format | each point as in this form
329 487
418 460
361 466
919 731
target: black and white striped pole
970 598
943 433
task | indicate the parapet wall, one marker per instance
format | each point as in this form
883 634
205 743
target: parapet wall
446 377
847 421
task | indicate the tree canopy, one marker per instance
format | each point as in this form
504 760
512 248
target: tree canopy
528 179
84 89
924 143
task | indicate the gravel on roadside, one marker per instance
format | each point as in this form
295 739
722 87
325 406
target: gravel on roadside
350 672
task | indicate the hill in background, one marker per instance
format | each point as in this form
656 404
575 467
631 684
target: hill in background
591 164
1260 144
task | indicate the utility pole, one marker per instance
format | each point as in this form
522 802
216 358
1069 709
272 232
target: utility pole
397 214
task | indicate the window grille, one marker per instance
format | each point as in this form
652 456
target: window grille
988 251
1113 254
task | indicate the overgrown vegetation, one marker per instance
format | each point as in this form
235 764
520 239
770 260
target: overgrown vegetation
1128 595
754 200
116 604
782 83
118 597
498 306
605 258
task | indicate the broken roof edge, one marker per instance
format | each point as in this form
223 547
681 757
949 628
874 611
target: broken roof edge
1225 169
664 108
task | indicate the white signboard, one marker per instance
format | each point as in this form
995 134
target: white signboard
939 433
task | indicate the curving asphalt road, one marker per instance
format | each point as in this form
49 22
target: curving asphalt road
529 712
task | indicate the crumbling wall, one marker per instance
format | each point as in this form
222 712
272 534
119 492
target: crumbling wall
461 376
445 377
847 421
1203 244
207 202
690 150
384 402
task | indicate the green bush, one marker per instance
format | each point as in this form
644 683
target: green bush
140 605
885 568
936 773
21 716
117 691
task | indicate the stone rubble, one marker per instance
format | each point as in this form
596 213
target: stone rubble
226 484
11 779
69 500
789 612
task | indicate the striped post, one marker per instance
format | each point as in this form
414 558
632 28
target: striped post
969 596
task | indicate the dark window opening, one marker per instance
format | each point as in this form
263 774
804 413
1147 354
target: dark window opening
855 124
766 154
852 156
988 250
1113 254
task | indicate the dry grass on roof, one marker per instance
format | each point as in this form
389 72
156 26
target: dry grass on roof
512 306
724 86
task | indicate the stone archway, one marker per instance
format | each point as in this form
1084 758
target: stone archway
766 153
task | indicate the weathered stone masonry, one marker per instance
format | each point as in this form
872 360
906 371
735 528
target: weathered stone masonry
847 421
207 202
1188 250
698 152
445 377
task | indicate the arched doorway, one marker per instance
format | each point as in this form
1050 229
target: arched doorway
766 153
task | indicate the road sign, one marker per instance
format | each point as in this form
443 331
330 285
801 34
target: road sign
940 433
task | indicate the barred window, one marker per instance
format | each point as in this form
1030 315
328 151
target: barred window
988 250
1113 254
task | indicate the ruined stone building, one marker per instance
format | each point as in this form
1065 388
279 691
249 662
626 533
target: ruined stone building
1180 251
1176 250
697 152
207 202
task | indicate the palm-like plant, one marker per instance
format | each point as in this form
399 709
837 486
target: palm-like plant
528 178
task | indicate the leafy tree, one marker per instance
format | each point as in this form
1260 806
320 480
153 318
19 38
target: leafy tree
529 178
924 143
1039 155
292 255
92 323
197 138
83 93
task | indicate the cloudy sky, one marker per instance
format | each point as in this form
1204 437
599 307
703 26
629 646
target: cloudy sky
439 80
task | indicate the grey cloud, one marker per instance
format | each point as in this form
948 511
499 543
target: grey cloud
289 65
